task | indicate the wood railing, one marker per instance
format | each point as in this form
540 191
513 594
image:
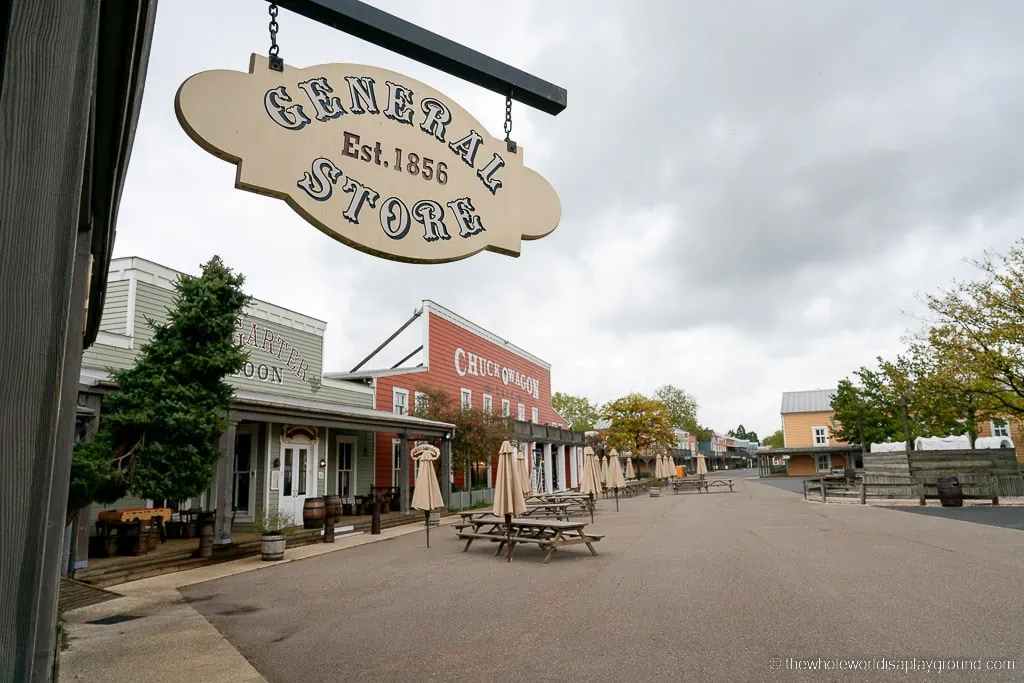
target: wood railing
902 487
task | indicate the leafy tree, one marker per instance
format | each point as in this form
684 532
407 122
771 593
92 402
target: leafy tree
478 436
703 433
775 440
860 416
578 411
159 432
978 327
639 425
950 397
741 433
680 406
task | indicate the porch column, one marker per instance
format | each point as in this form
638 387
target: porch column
563 475
79 551
547 467
223 485
446 471
403 472
574 473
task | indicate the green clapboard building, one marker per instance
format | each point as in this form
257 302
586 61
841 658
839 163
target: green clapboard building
285 421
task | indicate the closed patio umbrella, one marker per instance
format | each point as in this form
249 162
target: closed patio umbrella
630 472
591 484
508 491
604 471
702 465
657 467
524 474
427 495
615 480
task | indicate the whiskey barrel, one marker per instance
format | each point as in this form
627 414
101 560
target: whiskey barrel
332 507
206 524
950 493
313 513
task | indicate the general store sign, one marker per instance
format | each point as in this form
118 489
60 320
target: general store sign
372 158
478 366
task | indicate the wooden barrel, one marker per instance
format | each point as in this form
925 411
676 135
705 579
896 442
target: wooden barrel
332 508
206 524
313 513
272 546
950 493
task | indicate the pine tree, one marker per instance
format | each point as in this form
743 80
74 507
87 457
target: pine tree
159 432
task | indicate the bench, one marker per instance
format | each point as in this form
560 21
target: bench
709 483
685 484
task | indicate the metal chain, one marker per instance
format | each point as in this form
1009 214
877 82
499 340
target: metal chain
276 63
508 123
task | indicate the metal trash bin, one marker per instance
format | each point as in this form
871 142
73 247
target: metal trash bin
950 493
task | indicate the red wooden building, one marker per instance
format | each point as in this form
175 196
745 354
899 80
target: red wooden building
481 370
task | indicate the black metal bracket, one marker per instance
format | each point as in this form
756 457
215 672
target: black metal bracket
415 42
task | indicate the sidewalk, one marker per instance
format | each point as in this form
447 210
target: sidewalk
153 634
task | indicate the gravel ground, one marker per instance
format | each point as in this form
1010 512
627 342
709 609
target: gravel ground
720 587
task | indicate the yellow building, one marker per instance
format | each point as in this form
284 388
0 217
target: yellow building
1011 428
806 424
807 418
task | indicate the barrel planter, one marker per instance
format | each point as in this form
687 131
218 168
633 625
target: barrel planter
655 491
313 513
434 518
272 546
332 508
205 524
950 493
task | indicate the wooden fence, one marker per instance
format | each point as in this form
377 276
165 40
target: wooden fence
899 473
897 487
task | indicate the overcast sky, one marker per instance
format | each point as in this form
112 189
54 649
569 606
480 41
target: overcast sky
752 192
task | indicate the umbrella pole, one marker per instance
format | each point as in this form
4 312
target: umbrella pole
616 498
591 507
426 517
508 536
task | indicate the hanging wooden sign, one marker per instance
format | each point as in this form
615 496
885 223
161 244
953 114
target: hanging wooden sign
374 159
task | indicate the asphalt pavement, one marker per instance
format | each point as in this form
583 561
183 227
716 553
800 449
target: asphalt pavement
756 585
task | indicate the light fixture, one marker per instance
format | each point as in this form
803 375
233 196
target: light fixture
323 462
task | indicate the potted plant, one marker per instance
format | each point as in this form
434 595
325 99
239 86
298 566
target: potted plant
273 528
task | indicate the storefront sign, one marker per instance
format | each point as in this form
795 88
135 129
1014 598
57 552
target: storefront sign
374 159
478 366
262 372
255 336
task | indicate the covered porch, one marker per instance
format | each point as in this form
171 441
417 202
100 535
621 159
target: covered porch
281 451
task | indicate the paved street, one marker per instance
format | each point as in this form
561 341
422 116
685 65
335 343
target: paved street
687 587
1011 517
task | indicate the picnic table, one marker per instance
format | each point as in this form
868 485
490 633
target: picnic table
549 534
577 502
556 510
702 485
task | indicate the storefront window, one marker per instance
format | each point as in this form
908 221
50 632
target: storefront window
345 457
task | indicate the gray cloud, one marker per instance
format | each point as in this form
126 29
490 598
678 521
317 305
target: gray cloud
752 191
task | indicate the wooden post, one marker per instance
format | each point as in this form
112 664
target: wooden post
328 528
863 493
906 426
920 493
824 496
995 490
375 518
805 489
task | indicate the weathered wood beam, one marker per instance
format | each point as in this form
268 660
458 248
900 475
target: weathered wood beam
415 42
